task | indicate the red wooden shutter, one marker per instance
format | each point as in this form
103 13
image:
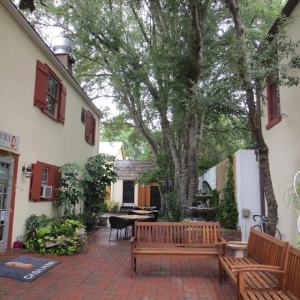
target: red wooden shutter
36 181
62 104
41 85
93 130
53 177
88 117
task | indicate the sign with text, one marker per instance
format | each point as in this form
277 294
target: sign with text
9 140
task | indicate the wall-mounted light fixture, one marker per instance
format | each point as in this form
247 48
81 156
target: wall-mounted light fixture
27 170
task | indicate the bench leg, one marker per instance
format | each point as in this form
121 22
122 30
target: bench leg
133 266
221 273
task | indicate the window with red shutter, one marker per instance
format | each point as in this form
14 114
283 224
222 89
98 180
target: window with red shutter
43 174
87 126
36 182
273 105
41 85
62 105
90 128
50 93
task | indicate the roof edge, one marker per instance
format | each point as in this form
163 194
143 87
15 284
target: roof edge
27 27
286 11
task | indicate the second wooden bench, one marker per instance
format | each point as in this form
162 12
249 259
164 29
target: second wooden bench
176 240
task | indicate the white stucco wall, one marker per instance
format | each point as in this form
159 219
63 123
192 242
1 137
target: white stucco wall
41 138
117 193
247 188
284 146
210 177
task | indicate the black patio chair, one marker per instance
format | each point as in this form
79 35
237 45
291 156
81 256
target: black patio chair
155 215
118 224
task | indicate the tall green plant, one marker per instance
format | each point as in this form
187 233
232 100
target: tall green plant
228 209
101 174
71 190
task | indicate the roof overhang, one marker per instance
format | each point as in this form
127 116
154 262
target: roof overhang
286 12
27 27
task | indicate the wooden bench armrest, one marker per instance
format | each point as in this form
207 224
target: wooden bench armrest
241 273
132 239
220 245
222 240
238 243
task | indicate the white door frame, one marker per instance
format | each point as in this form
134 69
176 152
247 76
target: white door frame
6 195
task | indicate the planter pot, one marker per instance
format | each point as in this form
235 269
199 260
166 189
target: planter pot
89 226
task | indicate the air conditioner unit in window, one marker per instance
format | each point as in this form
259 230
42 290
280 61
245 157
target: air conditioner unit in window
46 191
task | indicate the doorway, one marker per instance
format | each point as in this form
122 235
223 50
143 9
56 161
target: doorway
155 197
128 193
6 183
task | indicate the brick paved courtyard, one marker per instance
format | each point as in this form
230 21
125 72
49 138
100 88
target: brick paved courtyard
104 273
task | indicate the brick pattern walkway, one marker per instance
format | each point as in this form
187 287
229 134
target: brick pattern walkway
104 273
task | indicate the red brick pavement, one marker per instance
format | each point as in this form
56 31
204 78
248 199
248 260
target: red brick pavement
104 273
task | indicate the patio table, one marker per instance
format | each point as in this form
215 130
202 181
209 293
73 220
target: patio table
143 212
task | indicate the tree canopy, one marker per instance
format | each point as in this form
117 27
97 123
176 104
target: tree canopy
174 69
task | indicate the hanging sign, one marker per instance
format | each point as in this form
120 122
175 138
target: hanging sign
9 140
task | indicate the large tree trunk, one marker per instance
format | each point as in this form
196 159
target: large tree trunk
254 115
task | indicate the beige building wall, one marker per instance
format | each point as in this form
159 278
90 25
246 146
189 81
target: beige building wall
117 192
283 141
41 138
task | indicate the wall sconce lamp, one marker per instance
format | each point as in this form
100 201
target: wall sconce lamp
27 170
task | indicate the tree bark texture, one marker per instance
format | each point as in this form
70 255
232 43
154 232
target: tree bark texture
254 115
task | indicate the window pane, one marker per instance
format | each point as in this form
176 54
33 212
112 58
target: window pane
51 105
45 176
52 86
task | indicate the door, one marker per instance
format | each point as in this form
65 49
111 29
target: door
128 193
155 197
6 180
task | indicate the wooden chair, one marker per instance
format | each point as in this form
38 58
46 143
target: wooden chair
291 280
263 251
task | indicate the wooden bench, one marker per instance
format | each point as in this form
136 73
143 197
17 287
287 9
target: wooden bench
291 281
176 240
263 251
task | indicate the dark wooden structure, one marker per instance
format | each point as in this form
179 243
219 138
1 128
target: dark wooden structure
176 240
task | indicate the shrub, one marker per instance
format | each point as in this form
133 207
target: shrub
71 189
111 206
227 211
172 207
32 223
53 237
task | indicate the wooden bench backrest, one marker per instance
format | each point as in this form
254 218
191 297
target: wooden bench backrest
166 233
266 249
293 272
